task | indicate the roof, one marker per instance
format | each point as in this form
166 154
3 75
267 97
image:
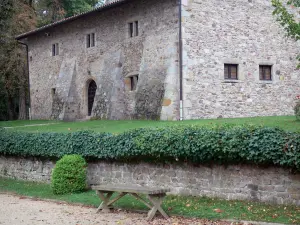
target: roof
111 4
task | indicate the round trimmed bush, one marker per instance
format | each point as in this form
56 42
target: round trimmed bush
297 110
69 175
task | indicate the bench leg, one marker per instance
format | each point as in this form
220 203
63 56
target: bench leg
104 206
156 200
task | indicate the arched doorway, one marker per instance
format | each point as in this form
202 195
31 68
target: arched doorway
91 96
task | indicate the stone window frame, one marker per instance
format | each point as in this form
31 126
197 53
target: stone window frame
229 67
133 21
273 69
263 75
129 79
86 33
90 42
55 49
240 70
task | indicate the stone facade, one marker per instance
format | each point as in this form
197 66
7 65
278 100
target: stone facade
236 32
274 185
214 33
59 84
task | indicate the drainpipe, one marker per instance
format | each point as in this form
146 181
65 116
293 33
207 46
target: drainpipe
27 62
180 60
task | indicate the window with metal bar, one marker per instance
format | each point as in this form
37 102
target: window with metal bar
55 49
265 72
133 29
90 40
231 71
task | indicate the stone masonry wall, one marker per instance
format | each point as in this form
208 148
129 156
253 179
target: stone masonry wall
236 32
274 185
152 54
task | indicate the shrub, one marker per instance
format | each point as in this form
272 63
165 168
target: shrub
69 175
224 145
297 110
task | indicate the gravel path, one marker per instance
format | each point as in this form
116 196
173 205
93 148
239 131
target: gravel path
15 210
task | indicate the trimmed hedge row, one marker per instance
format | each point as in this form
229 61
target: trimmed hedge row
225 145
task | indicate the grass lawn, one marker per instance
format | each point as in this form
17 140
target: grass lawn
285 122
201 207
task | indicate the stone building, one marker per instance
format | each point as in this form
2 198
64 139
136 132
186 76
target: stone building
164 59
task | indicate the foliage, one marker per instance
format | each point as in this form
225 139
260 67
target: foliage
69 175
286 15
287 18
225 145
15 17
49 11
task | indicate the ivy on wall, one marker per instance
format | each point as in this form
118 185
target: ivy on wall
223 145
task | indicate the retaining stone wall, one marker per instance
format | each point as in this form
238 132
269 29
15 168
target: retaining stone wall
275 185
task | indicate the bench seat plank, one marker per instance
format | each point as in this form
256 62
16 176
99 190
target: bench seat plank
131 189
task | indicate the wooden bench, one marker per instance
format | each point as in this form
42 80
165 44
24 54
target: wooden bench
154 195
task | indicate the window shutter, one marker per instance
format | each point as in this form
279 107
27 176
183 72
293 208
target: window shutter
53 50
56 49
267 73
88 41
226 74
93 40
233 71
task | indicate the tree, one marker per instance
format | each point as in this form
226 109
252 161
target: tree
19 16
16 17
287 18
50 11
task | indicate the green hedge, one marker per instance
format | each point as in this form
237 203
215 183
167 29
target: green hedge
225 145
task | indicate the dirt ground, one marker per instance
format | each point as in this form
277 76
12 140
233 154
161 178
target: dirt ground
15 210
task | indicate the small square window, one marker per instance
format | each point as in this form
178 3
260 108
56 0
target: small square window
231 71
90 40
265 72
133 82
133 29
55 49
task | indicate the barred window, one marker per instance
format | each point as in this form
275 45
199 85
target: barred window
90 40
231 71
265 72
55 49
133 29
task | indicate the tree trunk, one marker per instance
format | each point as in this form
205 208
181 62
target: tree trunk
22 92
30 3
22 103
10 104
